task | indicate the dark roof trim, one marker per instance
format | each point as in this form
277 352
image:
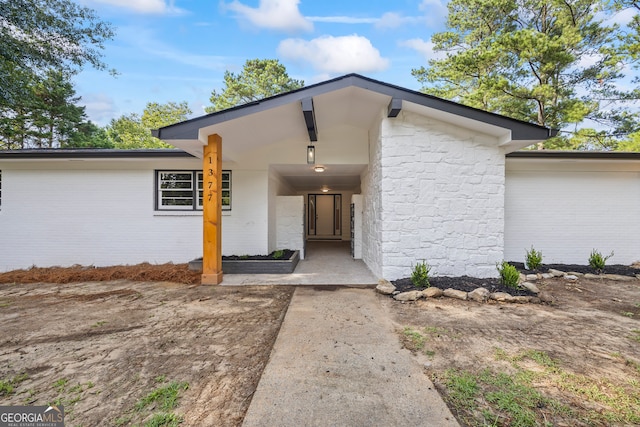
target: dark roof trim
553 154
310 118
394 107
189 129
95 153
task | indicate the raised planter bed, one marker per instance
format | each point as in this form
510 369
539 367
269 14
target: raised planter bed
254 265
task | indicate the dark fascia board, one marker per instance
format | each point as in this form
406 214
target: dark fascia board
520 130
310 118
554 154
95 153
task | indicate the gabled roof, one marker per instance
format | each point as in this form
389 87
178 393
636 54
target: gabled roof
519 130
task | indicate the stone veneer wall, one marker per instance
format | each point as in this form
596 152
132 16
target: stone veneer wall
370 185
442 198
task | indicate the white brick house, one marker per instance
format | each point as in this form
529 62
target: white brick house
428 179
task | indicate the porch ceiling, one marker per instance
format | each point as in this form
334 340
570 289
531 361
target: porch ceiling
335 177
347 106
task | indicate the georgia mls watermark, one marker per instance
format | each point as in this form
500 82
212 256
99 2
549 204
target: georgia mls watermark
31 416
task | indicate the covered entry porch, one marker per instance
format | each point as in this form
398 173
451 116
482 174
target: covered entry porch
327 263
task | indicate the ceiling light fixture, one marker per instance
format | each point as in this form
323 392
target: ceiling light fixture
311 154
319 169
325 190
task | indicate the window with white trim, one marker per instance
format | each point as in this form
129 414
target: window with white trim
183 190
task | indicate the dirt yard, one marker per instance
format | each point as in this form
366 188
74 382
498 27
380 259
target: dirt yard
579 358
120 352
114 352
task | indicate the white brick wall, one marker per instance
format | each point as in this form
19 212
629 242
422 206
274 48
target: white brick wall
290 223
566 209
442 198
102 213
90 217
370 184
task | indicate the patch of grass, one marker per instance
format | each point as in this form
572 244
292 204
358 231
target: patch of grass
4 304
420 275
278 254
414 340
164 398
164 420
7 387
99 323
636 335
509 275
493 397
627 314
61 384
155 407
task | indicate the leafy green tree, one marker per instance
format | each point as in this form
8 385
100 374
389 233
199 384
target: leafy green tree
550 62
260 78
134 131
88 135
39 35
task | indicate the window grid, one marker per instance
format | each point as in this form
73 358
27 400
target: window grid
176 190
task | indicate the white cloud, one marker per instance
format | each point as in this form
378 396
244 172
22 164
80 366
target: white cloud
100 108
343 19
425 48
144 6
395 20
435 11
330 54
281 15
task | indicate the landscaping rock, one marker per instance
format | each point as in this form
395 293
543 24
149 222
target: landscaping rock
546 297
501 297
571 277
432 292
575 273
547 275
523 278
522 299
535 300
530 286
638 276
408 296
556 273
532 277
385 287
479 294
454 293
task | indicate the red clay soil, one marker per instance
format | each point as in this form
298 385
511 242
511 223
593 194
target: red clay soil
145 272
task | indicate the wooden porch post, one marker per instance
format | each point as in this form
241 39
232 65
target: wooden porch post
212 211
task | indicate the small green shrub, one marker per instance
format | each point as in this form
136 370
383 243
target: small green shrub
420 275
597 261
533 259
509 275
278 254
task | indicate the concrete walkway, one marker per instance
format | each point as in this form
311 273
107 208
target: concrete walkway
325 263
337 361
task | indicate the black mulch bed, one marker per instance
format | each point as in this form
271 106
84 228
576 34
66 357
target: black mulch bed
622 270
468 284
287 254
464 283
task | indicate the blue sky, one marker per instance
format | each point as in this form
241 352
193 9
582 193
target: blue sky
178 50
